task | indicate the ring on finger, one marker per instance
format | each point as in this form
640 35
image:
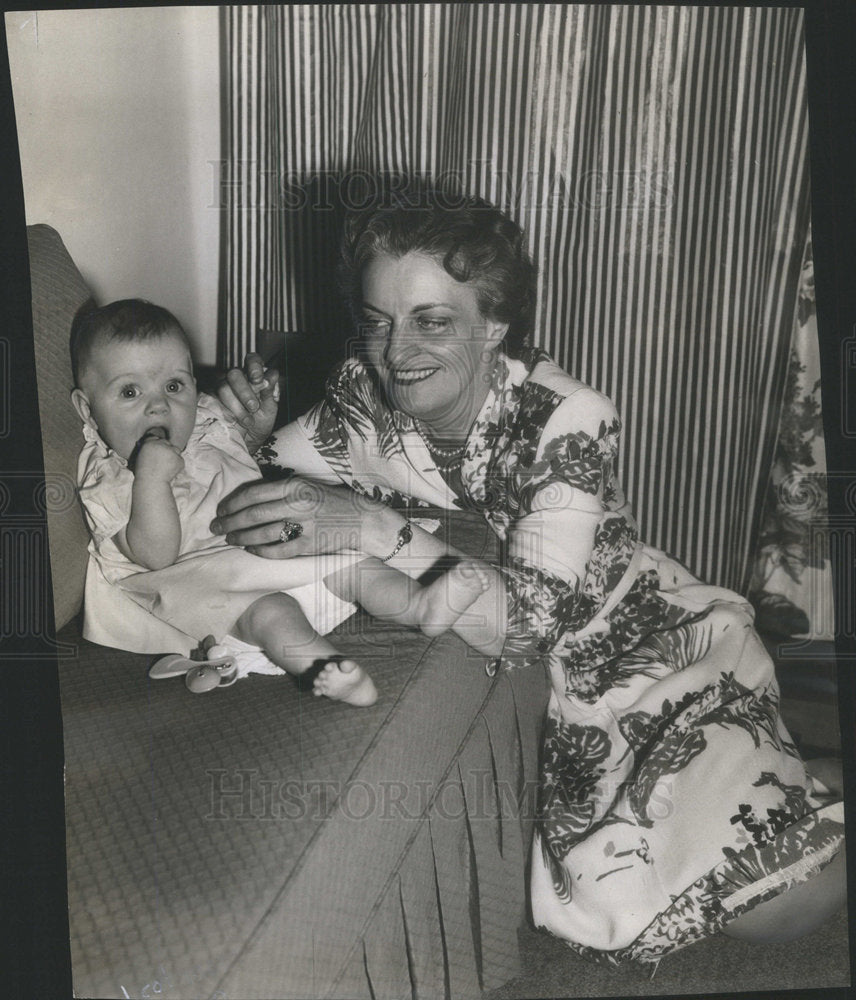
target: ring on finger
290 530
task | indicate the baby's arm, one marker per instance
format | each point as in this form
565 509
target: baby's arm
152 536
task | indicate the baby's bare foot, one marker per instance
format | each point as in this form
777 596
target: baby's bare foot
345 680
445 600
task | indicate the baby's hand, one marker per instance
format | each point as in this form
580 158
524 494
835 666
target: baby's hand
252 399
158 459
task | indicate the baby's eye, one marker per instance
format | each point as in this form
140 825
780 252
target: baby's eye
128 391
174 385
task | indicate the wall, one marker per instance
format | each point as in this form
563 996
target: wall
118 119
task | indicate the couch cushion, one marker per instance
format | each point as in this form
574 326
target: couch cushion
58 291
261 842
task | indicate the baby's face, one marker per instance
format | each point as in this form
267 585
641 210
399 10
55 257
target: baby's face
134 387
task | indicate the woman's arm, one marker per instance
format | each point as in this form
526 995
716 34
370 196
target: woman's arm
332 518
152 536
564 499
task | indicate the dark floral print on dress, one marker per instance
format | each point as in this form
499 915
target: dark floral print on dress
596 662
358 404
663 759
351 400
537 405
776 819
571 759
676 648
642 729
755 712
615 541
763 831
559 876
327 437
795 795
266 456
534 595
576 459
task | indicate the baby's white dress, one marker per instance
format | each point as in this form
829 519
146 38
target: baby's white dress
211 583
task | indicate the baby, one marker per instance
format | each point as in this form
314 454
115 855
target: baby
159 456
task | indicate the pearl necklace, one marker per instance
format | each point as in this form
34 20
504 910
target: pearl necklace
452 456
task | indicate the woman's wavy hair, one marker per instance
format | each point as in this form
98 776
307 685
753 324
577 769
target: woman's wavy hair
471 239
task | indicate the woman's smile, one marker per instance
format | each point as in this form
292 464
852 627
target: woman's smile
410 376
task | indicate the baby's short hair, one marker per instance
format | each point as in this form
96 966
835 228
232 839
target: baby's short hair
126 320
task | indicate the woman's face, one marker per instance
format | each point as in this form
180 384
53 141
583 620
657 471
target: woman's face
433 350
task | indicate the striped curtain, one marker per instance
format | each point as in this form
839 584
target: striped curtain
656 157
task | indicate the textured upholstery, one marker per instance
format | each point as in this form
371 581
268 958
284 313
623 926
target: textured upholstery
58 291
353 853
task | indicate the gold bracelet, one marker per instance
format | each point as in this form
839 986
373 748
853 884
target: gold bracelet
405 533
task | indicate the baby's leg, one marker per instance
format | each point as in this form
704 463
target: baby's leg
388 594
442 603
277 624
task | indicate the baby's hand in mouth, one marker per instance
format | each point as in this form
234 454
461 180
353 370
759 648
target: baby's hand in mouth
152 434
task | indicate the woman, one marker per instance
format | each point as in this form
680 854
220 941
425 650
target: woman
672 802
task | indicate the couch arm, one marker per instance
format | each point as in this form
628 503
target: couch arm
58 291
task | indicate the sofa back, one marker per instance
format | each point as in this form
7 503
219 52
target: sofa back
58 291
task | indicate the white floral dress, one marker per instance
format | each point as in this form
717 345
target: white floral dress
671 796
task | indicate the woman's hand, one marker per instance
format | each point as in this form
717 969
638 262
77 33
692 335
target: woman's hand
252 399
332 518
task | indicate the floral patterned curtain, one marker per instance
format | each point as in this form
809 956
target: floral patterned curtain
792 582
